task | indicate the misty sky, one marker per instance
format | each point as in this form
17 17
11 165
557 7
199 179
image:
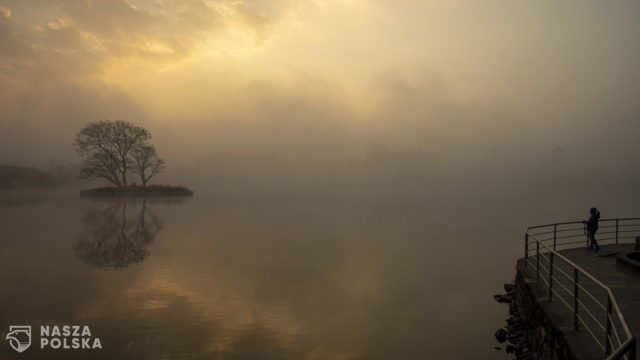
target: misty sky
323 78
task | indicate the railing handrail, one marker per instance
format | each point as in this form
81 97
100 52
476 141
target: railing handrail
580 222
626 347
584 272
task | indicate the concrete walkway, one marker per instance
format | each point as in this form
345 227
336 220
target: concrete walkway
624 283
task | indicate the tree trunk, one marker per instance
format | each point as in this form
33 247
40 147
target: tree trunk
124 172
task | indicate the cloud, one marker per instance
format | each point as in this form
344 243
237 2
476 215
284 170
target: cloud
12 46
319 77
163 30
261 15
5 13
54 57
74 39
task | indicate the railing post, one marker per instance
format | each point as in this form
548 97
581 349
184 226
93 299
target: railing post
526 249
632 350
608 335
537 261
575 299
555 230
617 231
550 275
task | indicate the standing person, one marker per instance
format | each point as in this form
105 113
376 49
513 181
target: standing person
592 227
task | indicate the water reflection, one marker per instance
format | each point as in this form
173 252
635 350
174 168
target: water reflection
118 236
256 277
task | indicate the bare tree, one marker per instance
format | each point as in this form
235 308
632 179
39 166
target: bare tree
100 165
107 147
146 162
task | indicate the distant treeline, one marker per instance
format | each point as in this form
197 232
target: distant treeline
20 177
16 177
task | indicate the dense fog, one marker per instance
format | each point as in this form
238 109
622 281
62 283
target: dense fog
498 104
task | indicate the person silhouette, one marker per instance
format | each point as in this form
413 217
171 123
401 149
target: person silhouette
592 227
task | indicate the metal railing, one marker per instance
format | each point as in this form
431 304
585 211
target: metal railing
595 308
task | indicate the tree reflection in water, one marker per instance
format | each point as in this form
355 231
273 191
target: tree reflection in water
118 236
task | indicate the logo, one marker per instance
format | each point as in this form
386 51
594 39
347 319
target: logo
54 337
68 337
19 337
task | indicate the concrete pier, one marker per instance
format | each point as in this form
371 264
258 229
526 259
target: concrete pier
550 324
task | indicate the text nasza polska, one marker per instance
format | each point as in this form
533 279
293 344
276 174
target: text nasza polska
68 337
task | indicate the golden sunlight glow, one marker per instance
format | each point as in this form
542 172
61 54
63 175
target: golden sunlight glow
349 63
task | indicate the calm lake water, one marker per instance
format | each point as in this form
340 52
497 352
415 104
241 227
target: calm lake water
256 277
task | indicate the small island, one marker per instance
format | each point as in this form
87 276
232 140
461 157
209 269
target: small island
134 190
117 150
